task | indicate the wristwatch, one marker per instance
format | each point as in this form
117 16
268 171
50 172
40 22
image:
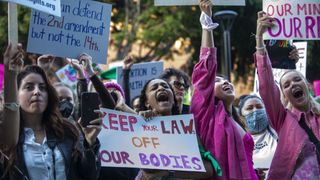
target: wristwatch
12 106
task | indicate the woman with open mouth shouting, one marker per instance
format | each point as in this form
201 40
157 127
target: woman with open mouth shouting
298 151
157 99
217 122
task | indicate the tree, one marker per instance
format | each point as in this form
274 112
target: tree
155 30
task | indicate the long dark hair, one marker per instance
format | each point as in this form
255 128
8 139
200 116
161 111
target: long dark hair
234 112
143 99
52 119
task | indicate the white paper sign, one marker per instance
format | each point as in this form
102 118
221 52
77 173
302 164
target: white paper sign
195 2
166 142
294 19
139 75
82 27
47 6
68 76
302 63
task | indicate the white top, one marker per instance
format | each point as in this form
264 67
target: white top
38 159
265 145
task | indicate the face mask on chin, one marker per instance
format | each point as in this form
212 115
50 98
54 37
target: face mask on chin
65 108
257 121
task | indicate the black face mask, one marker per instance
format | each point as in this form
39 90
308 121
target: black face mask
65 108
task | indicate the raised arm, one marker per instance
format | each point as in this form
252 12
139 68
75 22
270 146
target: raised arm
268 89
106 99
204 73
127 63
82 84
9 127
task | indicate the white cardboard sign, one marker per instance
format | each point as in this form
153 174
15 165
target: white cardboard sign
47 6
82 27
294 19
165 142
140 73
195 2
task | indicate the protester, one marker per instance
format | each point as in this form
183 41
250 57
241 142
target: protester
218 125
180 83
118 95
107 100
297 155
253 112
127 63
157 99
42 145
67 100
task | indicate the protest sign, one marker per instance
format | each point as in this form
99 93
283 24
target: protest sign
165 142
139 75
278 51
195 2
294 19
68 76
82 27
1 77
300 66
47 6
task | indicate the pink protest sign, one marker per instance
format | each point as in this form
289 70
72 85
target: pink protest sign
316 87
294 19
1 76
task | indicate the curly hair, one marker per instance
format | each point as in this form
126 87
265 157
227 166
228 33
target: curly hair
52 119
169 72
143 99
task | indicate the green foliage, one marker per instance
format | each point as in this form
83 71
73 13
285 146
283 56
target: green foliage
157 28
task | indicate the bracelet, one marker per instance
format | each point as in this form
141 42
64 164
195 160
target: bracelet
261 48
13 106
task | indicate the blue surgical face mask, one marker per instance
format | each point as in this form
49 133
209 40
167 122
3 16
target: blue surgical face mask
257 121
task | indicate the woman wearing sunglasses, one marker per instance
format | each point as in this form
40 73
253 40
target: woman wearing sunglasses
180 84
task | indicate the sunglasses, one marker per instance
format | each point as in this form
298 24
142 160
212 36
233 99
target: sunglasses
179 85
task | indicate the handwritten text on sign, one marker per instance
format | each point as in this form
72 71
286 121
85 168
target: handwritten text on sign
83 27
195 2
139 75
167 142
294 19
47 6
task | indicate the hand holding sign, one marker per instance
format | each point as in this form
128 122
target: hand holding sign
206 6
294 54
263 23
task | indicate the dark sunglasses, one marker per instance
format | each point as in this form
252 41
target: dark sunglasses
178 84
